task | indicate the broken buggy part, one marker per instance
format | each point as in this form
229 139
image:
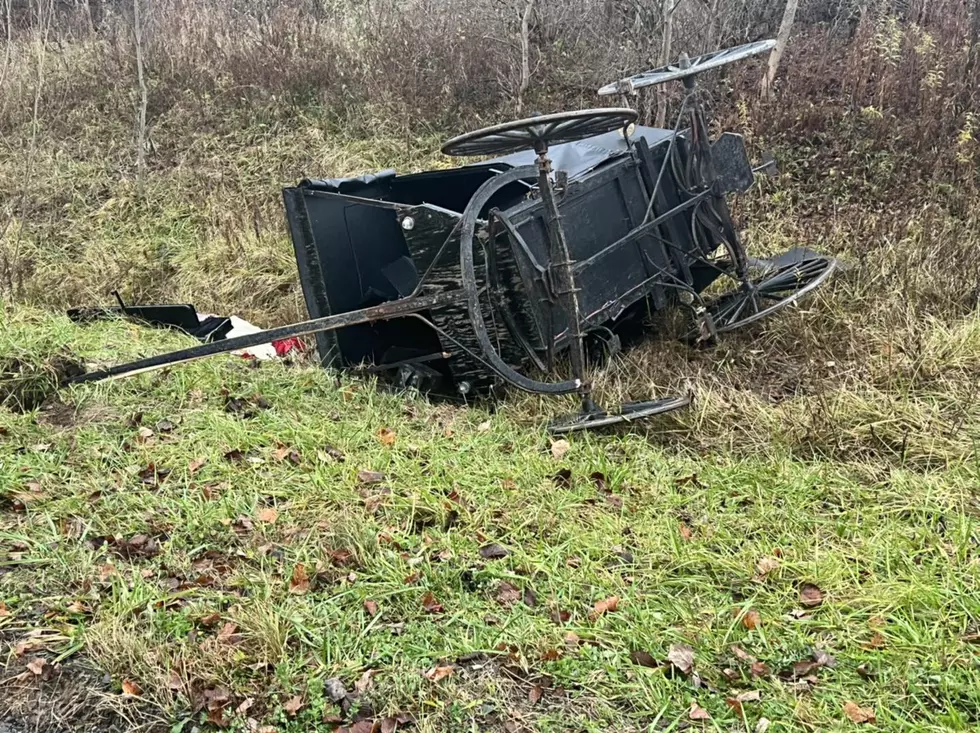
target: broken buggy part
384 311
780 282
539 133
629 412
686 68
705 171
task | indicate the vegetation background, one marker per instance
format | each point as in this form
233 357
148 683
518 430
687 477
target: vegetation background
143 145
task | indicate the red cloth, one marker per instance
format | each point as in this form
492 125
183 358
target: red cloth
284 346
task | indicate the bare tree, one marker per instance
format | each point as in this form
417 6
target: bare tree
782 37
525 41
141 108
665 58
10 264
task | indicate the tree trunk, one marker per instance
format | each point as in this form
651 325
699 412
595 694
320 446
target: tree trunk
525 56
665 58
713 25
785 28
141 79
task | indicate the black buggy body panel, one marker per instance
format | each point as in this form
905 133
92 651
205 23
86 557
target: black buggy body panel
367 240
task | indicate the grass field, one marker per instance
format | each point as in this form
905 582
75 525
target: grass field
280 548
286 549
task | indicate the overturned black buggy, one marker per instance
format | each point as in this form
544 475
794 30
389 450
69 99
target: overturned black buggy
578 225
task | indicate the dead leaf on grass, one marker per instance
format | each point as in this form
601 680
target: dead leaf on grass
40 667
644 659
131 689
365 682
534 694
759 669
228 634
371 608
329 453
439 673
299 582
824 659
877 641
765 566
698 713
285 453
682 657
686 532
507 594
751 619
196 465
858 714
370 477
387 436
563 479
268 515
3 610
293 705
607 605
493 551
810 595
430 604
559 448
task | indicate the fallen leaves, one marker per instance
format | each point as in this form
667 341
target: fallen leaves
131 689
228 634
40 667
435 674
493 551
751 619
285 453
534 694
507 594
196 465
371 608
735 702
430 604
857 714
644 659
293 705
370 477
607 605
810 595
698 713
268 515
681 656
559 448
299 582
387 436
764 567
563 479
3 610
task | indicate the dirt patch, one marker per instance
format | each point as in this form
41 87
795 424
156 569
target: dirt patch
25 385
70 696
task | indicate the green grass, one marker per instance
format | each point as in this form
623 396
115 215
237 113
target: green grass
678 537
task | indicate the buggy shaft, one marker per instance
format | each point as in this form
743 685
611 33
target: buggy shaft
382 312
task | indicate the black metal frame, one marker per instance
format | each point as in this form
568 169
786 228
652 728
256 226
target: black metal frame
517 262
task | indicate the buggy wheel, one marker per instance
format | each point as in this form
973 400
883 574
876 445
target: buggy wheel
776 286
629 412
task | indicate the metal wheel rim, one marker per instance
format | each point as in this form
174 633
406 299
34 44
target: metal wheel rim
782 287
540 132
698 65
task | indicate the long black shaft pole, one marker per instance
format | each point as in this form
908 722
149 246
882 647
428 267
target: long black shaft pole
382 312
